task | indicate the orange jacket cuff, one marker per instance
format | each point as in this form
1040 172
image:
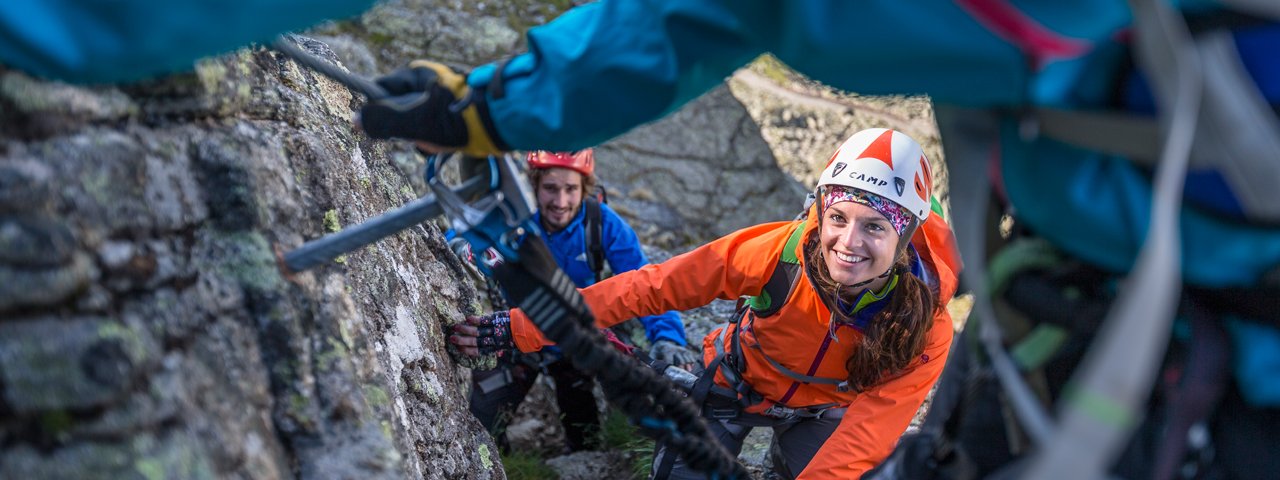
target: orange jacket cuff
526 336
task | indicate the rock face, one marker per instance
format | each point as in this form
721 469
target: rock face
147 330
703 172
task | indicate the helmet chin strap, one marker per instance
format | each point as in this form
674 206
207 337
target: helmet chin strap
840 305
864 282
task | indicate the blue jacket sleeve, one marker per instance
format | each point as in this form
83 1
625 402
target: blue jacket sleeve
654 55
622 251
96 41
603 68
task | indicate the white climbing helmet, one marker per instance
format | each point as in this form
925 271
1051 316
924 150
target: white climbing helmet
887 163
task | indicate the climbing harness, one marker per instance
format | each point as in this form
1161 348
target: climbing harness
494 210
721 403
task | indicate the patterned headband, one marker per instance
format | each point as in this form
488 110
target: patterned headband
899 217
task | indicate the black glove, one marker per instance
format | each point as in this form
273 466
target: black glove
432 103
670 352
494 333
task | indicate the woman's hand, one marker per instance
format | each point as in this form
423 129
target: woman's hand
483 335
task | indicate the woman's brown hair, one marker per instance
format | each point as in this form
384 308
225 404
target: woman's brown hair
895 336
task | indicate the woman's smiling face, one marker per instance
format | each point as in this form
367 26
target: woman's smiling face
857 243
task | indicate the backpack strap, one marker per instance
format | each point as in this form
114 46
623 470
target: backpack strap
1235 101
601 194
783 280
594 233
1117 133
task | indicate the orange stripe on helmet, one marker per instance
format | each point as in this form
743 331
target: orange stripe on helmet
881 149
924 186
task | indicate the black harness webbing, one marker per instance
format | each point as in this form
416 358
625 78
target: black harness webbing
594 227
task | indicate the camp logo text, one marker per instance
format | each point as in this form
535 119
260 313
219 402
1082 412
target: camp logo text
862 177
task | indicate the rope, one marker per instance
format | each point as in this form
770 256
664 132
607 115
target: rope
650 400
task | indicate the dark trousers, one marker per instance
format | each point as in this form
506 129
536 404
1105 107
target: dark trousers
793 446
495 395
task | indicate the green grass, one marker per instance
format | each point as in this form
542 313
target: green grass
617 433
526 466
769 66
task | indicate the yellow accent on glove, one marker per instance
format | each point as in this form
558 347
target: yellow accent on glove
478 142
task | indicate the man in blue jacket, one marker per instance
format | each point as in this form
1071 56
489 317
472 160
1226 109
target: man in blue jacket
582 234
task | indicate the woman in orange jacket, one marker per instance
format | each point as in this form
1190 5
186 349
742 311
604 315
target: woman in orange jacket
841 365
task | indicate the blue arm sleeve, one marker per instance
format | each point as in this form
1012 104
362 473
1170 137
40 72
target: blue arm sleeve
603 68
622 251
98 41
652 55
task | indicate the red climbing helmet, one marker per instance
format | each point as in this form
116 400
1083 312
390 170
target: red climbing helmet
582 161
